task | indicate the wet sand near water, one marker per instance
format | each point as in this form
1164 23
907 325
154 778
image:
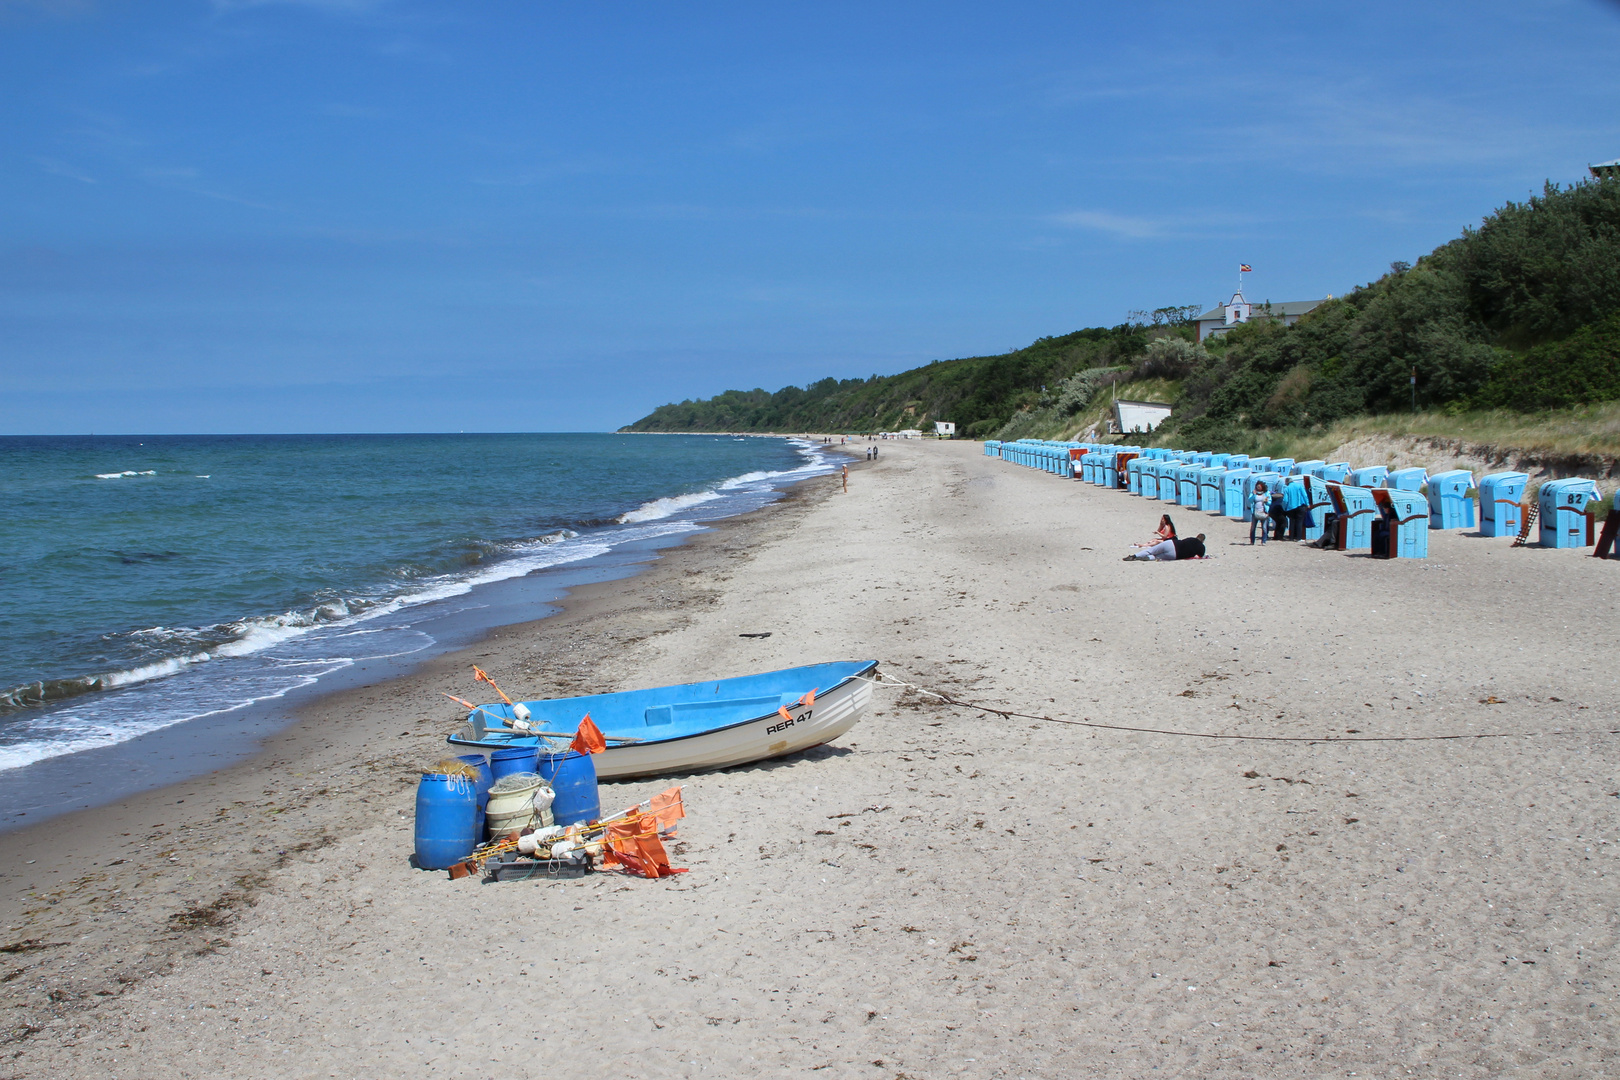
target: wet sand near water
941 892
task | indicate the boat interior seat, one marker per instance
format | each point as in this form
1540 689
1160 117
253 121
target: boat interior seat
717 710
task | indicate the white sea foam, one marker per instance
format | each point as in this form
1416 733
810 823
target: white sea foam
147 672
668 506
276 673
748 478
72 732
255 635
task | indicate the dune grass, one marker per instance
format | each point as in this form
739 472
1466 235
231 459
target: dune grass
1588 430
1049 423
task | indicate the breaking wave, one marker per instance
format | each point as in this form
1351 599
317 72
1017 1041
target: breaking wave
178 673
667 507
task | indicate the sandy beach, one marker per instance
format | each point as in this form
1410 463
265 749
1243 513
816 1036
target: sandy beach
942 892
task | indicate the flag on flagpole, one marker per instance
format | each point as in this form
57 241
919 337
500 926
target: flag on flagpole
588 739
1245 268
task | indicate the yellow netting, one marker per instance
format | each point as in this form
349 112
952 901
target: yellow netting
452 767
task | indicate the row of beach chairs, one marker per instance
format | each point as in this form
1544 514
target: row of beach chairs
1388 512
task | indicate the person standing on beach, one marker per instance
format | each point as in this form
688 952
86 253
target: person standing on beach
1294 500
1261 507
1279 513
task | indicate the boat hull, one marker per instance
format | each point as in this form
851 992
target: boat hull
765 734
833 713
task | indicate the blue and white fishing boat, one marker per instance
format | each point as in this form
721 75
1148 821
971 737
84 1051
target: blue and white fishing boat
693 727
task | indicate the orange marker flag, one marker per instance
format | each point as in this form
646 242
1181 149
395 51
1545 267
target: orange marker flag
809 699
483 676
783 713
667 808
634 845
588 739
619 847
652 851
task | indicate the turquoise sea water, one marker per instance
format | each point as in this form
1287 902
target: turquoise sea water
152 580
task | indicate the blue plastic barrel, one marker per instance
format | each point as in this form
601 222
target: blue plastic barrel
446 819
573 777
486 779
513 759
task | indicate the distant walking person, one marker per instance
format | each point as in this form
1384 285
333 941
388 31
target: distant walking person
1261 506
846 479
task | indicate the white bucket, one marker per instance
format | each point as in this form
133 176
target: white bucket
501 824
516 802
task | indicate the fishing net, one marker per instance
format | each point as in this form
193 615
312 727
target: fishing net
513 782
452 767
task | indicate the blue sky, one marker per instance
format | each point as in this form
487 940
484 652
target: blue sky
341 215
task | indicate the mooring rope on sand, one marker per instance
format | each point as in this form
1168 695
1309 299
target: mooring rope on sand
1009 714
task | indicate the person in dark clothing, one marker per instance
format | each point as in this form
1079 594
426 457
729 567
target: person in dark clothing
1299 517
1171 550
1293 507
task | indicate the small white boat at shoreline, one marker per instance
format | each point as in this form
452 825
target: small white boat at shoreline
694 727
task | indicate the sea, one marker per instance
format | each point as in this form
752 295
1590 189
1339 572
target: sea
170 599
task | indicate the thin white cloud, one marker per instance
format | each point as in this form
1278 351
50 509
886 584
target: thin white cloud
188 181
1295 106
62 168
535 174
342 6
1132 228
60 8
103 134
350 112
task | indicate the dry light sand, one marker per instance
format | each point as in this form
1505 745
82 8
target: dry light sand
941 893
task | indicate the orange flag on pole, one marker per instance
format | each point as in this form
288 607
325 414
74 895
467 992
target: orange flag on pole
633 844
619 848
480 675
652 851
667 808
808 700
588 739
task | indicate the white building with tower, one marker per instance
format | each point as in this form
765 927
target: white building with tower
1236 311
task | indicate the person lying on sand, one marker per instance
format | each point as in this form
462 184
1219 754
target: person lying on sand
1171 550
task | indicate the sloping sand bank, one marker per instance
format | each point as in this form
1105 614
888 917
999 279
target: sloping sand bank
943 892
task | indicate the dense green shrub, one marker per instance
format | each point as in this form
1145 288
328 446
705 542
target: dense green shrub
979 394
1169 357
1516 314
1076 392
1582 368
1538 270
